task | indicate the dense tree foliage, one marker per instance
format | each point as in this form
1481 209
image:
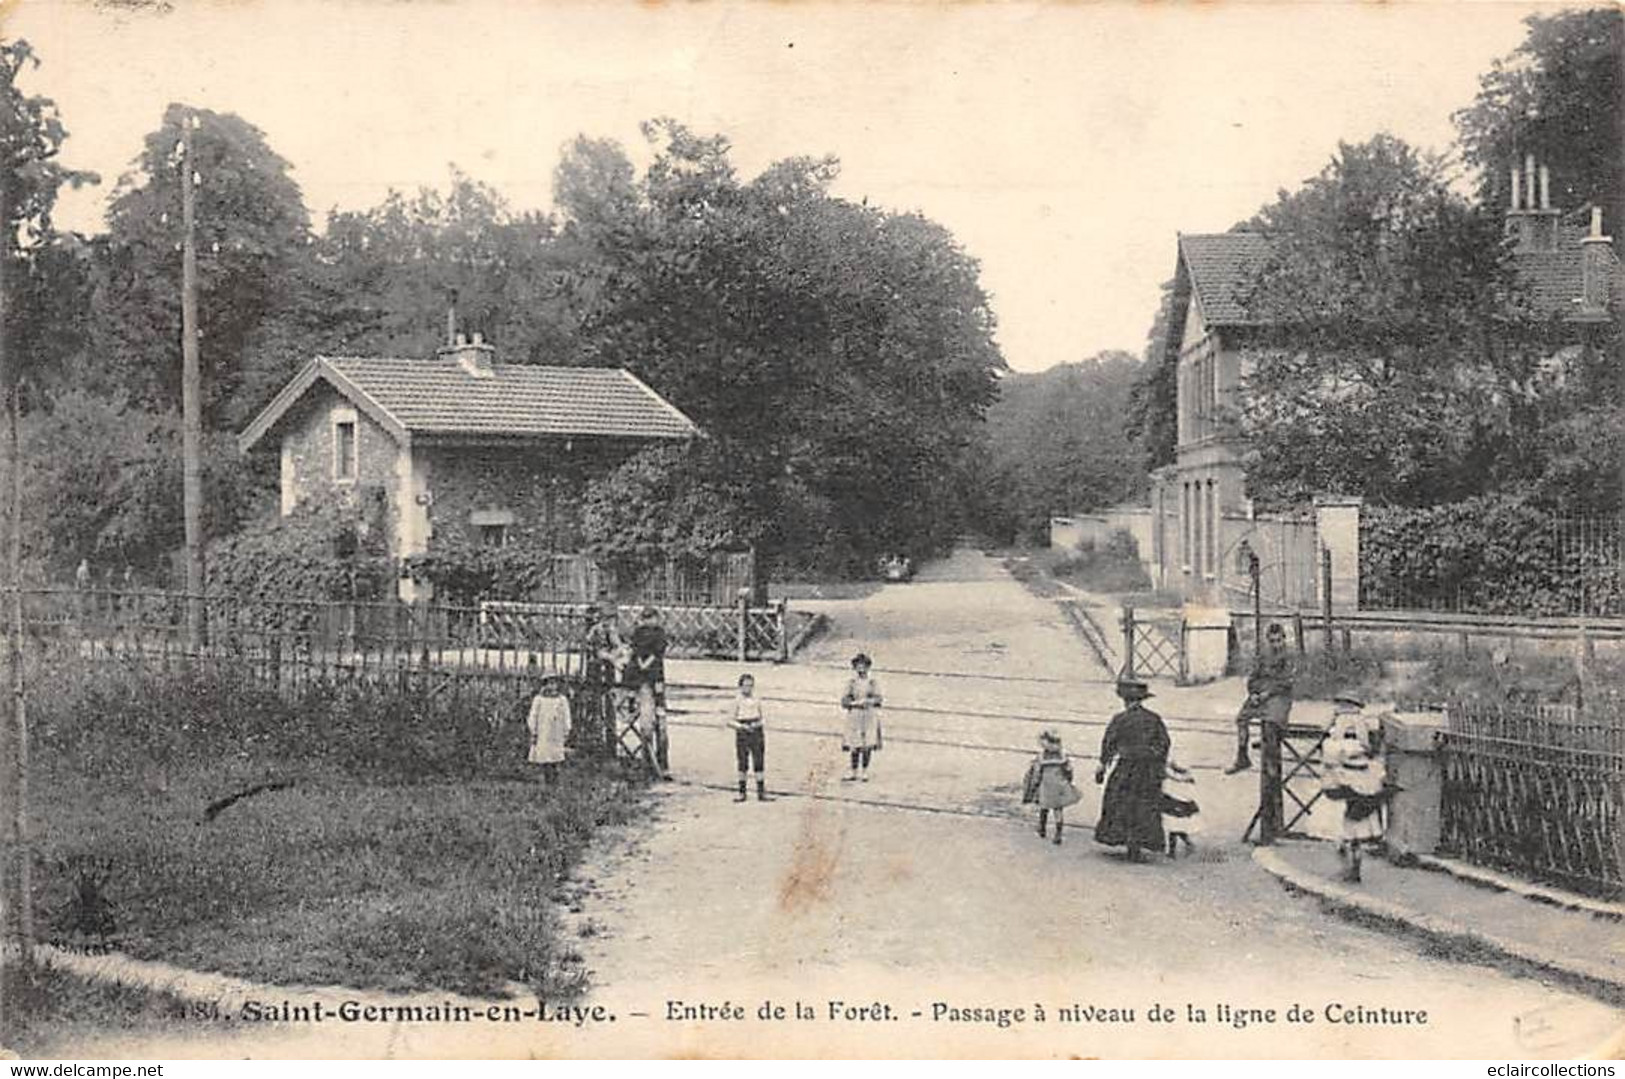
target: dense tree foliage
1557 96
252 236
839 357
1407 364
1056 443
1152 419
1394 377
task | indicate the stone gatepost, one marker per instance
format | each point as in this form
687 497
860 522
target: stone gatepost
1337 526
1416 764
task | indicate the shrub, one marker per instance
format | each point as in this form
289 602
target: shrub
1499 554
327 548
1113 567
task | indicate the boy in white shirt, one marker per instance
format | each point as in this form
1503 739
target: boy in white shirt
750 745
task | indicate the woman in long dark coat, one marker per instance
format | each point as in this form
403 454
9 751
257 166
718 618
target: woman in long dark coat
1131 808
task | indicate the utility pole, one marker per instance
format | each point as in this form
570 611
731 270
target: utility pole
191 395
22 870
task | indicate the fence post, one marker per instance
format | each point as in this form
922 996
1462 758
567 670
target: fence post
1326 595
1255 578
1184 652
1128 642
744 619
1297 630
1269 781
784 629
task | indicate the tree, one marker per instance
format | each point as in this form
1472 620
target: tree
1557 96
102 481
840 357
1400 368
43 275
253 235
1058 443
398 267
1152 416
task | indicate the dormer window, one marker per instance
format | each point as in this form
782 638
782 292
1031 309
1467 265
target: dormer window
344 445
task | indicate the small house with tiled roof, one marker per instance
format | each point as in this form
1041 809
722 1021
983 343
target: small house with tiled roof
459 446
1199 505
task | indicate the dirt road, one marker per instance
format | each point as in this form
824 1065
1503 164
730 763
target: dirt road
917 913
920 888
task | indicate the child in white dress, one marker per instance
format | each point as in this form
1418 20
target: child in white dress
549 726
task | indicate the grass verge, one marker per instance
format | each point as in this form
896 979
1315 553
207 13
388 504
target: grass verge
387 845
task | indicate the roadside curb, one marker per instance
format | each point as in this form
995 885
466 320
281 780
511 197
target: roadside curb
1535 893
1600 980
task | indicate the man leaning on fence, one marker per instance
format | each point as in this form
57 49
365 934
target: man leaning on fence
1269 694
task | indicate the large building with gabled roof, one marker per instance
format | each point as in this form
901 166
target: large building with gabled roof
1200 512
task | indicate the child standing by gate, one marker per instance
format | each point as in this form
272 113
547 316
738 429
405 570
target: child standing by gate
750 741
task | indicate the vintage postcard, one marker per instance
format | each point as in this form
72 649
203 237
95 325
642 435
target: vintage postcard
780 530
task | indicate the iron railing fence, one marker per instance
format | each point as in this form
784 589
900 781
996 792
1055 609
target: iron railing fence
1538 790
492 634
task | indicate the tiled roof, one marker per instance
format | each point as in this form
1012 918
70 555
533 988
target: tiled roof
438 398
1222 268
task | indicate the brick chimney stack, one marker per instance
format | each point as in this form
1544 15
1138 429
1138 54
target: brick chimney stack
1595 257
1530 217
476 357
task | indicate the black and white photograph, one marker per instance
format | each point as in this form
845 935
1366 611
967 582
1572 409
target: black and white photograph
548 530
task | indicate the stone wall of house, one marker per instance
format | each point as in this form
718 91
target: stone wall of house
541 487
308 459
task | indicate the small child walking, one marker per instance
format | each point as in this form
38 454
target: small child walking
750 741
549 726
1181 817
1049 784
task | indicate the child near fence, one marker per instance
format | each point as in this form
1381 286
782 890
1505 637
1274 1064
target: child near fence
549 725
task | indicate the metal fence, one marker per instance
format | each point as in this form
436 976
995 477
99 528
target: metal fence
368 635
1538 790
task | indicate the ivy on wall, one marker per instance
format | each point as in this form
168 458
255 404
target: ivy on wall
329 547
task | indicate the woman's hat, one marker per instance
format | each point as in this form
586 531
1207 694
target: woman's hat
1049 738
1348 701
1132 689
862 660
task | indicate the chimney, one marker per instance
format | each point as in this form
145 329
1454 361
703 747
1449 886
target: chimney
1596 258
476 357
1531 221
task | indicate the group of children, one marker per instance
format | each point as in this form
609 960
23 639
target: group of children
1353 768
549 721
1049 786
